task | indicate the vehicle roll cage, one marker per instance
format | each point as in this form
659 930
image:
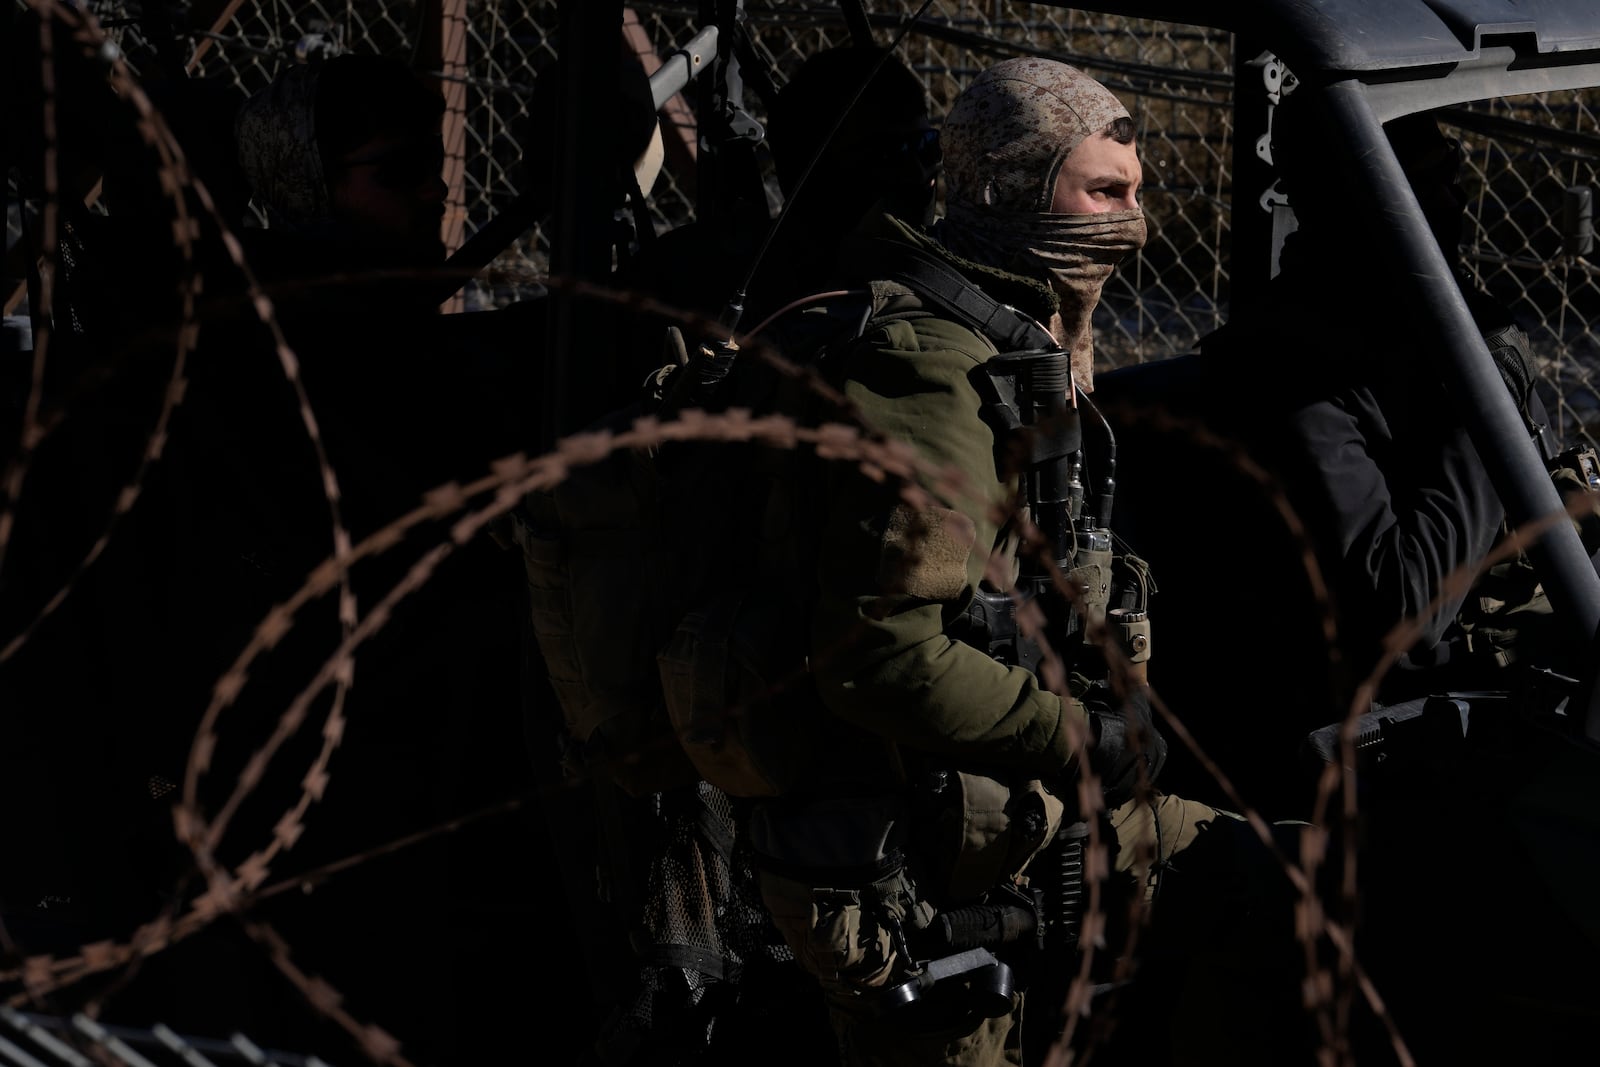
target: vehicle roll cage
1363 63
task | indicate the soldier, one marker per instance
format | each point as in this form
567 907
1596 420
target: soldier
711 973
1378 466
947 772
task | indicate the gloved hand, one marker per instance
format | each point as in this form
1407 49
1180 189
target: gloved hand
1124 738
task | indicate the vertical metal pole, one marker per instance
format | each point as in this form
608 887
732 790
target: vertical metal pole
1250 232
579 335
855 19
1469 372
710 94
453 67
213 16
578 344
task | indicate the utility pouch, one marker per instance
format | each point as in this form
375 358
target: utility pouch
587 553
1581 464
851 939
980 831
737 694
1578 470
1091 575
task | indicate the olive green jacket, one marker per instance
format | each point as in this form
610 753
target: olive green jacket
893 577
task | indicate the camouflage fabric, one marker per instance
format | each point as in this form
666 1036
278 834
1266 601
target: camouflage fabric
276 133
1004 143
844 940
1006 136
1148 834
900 676
1076 252
892 573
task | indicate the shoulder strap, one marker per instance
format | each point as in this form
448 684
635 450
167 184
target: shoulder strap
1512 357
1003 324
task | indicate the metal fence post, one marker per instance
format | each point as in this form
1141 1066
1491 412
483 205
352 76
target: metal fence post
579 338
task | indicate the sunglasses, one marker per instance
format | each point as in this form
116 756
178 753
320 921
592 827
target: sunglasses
404 166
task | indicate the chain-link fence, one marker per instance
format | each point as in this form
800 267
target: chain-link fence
1524 154
1526 157
1529 162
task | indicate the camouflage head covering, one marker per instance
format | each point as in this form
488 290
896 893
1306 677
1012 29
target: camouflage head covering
275 131
1005 137
1004 143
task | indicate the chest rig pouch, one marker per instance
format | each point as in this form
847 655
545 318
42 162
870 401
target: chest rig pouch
1087 593
980 836
1033 407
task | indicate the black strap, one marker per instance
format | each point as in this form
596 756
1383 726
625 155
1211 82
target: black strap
1509 347
1008 328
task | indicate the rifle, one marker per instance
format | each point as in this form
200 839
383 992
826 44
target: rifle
1031 402
1026 401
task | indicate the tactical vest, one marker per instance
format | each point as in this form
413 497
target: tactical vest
671 661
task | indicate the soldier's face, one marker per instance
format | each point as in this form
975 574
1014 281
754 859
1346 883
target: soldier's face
1099 175
390 194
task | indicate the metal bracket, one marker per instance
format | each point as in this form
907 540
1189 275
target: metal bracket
1278 79
1274 197
742 126
973 959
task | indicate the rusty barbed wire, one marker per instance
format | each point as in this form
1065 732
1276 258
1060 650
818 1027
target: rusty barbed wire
175 177
245 883
17 466
509 483
512 478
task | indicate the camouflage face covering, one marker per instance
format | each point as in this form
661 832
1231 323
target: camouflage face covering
1005 140
1080 252
276 134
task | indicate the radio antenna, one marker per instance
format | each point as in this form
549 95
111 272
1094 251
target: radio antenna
1108 476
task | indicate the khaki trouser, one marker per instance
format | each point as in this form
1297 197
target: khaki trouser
844 938
1160 827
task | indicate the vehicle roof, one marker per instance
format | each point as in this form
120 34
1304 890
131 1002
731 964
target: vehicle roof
1362 36
1415 55
1412 55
